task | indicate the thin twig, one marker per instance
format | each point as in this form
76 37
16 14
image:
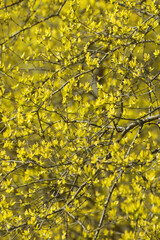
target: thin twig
107 202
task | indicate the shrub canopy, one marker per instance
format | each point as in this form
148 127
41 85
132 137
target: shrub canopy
80 115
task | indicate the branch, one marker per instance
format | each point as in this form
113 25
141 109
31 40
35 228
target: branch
79 222
11 5
34 24
58 12
75 195
16 168
139 123
133 141
107 202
